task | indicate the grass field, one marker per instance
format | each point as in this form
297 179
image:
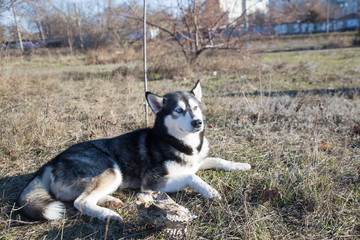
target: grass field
295 117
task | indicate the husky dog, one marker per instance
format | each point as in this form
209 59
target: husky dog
162 158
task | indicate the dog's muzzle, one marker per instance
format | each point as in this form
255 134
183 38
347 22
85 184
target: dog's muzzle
197 123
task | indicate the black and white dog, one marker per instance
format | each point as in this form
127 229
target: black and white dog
164 158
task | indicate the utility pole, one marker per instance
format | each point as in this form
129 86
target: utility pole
17 26
245 25
145 70
327 15
78 24
358 15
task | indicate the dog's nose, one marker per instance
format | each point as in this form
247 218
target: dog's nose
196 123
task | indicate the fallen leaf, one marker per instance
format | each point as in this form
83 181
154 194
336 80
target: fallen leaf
357 129
10 153
244 118
324 146
270 194
228 187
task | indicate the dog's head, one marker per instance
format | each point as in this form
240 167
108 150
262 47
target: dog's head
179 112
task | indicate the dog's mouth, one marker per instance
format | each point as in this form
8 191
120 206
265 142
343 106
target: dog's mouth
197 129
194 130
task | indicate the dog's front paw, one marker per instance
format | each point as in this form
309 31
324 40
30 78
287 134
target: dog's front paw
112 216
241 166
215 195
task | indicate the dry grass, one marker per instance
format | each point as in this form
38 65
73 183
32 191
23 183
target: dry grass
304 42
304 148
112 55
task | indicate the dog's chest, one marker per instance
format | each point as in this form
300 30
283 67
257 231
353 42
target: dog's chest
190 164
173 168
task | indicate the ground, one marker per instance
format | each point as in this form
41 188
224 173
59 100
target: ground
295 117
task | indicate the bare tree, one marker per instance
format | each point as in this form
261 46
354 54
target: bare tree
69 20
2 29
55 19
2 33
111 23
35 13
200 25
78 26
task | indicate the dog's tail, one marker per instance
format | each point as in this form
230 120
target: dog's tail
35 201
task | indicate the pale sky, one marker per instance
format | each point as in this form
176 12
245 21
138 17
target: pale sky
6 18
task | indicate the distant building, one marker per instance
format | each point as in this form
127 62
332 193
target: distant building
345 8
235 9
348 7
279 4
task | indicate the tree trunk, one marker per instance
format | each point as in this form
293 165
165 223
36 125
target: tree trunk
70 39
41 31
17 26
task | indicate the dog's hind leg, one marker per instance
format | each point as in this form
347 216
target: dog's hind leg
219 163
97 191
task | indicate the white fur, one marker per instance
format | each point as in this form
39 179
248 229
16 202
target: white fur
54 211
196 110
87 201
181 105
155 102
219 163
176 127
183 175
61 191
182 129
192 162
38 189
181 126
176 183
197 91
107 199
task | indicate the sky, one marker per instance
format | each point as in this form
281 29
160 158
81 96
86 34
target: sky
7 17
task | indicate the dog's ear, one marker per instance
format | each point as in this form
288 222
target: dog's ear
197 91
156 102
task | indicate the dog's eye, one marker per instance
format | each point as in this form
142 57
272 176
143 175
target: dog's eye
179 110
195 107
